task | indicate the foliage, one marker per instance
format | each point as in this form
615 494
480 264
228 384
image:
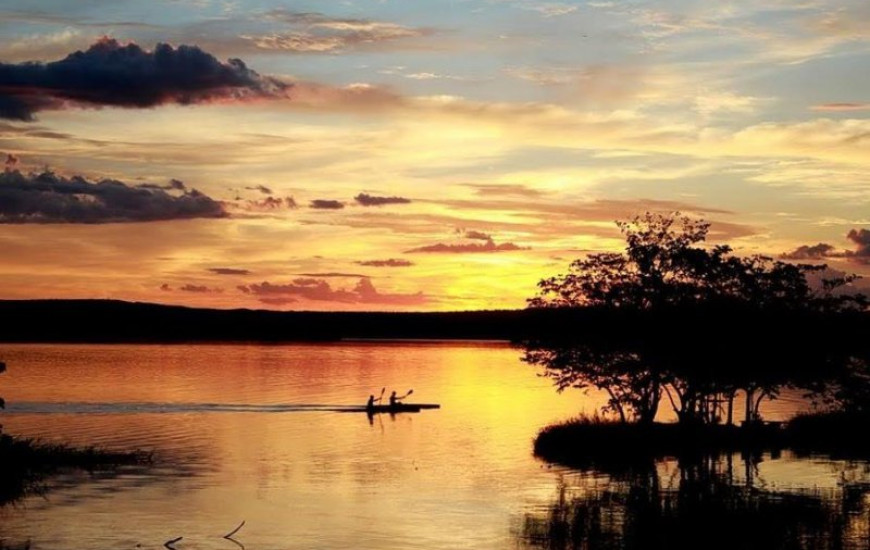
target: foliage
695 325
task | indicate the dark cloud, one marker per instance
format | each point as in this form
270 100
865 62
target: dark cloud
316 289
228 271
322 204
369 200
860 237
386 263
815 252
165 287
268 204
111 74
470 248
50 198
261 188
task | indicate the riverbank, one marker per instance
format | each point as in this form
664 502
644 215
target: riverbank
26 463
589 442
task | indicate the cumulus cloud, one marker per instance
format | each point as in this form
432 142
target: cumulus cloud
469 248
815 252
228 271
860 237
111 74
365 199
392 262
316 289
50 198
323 204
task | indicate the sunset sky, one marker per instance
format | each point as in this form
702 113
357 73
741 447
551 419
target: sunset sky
414 154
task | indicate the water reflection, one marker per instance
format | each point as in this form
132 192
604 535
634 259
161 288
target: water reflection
708 502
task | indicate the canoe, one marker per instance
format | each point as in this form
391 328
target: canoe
401 408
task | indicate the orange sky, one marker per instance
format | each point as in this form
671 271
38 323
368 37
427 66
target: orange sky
416 156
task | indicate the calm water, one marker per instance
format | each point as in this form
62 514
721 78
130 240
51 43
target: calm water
238 435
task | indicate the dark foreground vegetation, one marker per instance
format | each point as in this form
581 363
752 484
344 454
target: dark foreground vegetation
26 463
697 329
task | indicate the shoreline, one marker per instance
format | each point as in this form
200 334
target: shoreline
593 443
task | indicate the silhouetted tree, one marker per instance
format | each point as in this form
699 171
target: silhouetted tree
674 291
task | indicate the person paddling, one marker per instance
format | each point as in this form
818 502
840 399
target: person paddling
370 404
395 400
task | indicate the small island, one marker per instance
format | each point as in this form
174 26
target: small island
674 323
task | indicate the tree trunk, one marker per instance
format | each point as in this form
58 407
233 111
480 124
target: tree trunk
749 393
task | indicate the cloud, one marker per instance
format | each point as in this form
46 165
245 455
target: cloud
268 204
261 188
815 252
386 263
860 237
841 107
470 248
370 200
228 271
109 74
323 204
504 189
334 274
316 289
50 198
197 289
311 32
553 9
200 289
477 235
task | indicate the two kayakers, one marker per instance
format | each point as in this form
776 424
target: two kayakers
394 400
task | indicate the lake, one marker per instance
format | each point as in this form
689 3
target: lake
244 433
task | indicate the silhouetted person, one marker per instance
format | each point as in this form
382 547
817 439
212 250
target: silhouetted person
394 400
370 404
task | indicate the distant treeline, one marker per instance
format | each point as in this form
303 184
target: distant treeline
100 321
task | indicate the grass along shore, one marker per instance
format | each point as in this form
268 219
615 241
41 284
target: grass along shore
27 462
589 441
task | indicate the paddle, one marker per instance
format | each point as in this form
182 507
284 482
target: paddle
407 394
381 398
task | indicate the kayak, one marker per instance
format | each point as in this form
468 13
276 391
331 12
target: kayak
400 408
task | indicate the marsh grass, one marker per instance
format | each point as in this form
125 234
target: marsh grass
25 463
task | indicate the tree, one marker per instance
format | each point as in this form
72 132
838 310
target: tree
678 300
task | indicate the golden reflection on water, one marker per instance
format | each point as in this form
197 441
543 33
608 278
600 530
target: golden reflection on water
449 478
